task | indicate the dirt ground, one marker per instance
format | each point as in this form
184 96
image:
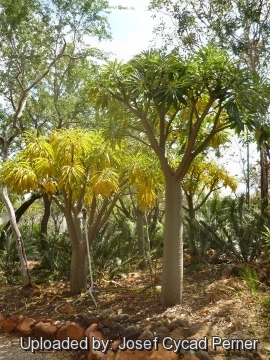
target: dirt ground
216 294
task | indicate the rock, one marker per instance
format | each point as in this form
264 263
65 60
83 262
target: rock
146 335
85 320
203 355
66 309
107 313
94 334
62 333
2 319
25 327
148 324
92 327
116 331
115 345
106 331
179 333
132 332
45 330
120 318
184 322
161 329
198 331
75 332
190 357
10 324
172 325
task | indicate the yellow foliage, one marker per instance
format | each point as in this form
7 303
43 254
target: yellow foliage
105 182
75 161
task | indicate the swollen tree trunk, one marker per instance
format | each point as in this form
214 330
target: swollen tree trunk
18 238
172 272
78 272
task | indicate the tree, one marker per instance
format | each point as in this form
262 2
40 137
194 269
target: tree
78 170
165 102
32 40
240 26
203 178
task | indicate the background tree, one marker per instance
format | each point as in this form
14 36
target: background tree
240 26
203 178
77 169
32 39
166 100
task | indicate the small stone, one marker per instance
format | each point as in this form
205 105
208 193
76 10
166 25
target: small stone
116 332
75 332
86 321
107 313
25 327
132 332
106 331
2 319
146 335
45 330
161 329
179 333
10 324
198 331
120 318
66 309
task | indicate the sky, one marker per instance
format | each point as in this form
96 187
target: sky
132 32
131 29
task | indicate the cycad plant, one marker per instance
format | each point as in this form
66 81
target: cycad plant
229 227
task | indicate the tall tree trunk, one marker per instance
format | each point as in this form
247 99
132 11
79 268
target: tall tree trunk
264 182
44 223
141 238
18 238
78 271
46 215
172 272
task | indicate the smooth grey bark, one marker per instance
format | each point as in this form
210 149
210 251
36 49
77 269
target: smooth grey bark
172 272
